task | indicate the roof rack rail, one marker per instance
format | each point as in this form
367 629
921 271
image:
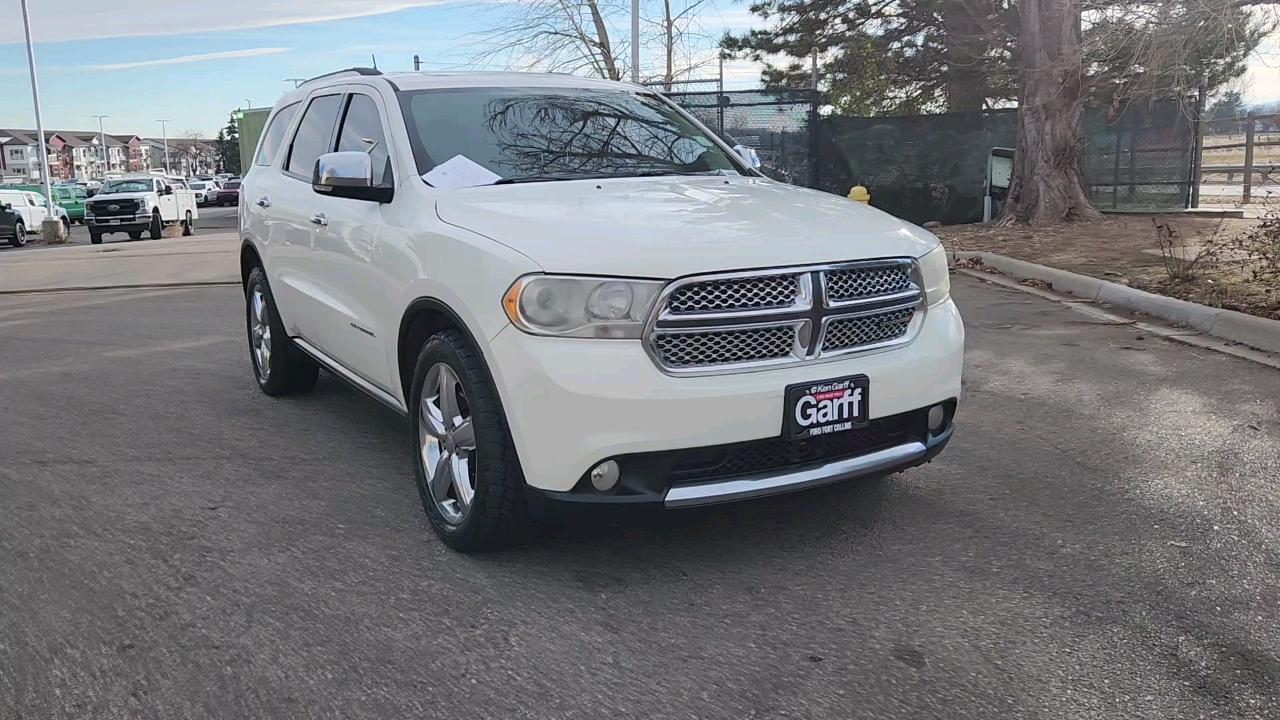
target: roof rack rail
356 70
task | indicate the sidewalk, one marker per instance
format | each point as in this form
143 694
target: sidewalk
171 261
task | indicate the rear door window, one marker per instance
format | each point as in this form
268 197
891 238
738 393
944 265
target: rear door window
273 138
314 136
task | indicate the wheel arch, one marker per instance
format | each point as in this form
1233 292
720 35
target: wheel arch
423 318
249 259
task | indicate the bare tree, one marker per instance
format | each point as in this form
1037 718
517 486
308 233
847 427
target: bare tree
557 36
590 37
682 37
1116 52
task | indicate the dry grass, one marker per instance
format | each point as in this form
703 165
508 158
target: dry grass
1113 250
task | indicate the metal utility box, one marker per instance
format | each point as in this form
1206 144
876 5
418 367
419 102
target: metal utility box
999 174
250 124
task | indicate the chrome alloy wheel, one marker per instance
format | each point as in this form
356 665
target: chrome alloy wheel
260 333
447 440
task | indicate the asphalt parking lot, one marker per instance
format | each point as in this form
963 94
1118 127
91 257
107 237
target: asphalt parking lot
1100 540
210 220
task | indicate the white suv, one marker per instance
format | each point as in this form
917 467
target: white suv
581 298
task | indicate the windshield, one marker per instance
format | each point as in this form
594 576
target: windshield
535 134
122 186
197 186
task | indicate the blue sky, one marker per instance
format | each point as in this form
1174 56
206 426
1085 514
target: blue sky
138 61
193 62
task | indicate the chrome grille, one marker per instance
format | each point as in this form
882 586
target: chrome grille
739 321
867 282
765 292
855 332
725 347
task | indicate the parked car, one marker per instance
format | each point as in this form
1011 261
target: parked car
137 204
585 313
72 198
229 193
206 192
12 226
31 207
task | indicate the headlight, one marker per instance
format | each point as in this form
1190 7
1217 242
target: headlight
936 275
581 306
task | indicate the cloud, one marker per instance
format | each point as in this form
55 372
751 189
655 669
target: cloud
92 19
249 52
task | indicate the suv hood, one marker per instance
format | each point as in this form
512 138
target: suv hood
673 226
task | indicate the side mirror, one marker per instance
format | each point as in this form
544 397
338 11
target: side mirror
348 175
748 155
168 190
8 206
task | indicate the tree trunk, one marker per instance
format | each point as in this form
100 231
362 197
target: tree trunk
1048 181
602 41
669 44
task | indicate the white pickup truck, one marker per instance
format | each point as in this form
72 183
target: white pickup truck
138 204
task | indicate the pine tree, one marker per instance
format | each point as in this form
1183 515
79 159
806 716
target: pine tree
228 146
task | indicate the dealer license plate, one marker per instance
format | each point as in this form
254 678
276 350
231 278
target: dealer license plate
826 407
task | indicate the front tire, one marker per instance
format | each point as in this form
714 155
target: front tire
135 234
95 238
157 227
279 367
19 235
469 478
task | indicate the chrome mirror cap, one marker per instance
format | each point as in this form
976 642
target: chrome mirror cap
343 169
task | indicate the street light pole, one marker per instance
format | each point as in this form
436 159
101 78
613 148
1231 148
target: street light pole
102 141
164 132
35 99
635 41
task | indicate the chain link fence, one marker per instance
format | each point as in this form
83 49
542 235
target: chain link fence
777 124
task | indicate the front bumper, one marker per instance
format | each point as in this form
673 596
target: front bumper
118 223
573 403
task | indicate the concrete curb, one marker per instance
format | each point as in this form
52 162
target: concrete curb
1250 330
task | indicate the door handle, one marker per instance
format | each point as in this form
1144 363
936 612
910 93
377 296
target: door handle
263 202
319 219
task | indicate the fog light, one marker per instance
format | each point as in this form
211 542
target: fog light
937 415
605 475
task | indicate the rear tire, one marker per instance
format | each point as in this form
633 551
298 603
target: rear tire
66 227
157 227
496 515
279 367
19 235
188 227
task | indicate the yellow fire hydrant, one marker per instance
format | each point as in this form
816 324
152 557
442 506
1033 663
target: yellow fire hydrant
860 194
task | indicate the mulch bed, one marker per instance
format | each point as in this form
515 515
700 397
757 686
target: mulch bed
1113 250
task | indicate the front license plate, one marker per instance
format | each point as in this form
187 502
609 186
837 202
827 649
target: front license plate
826 407
115 222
